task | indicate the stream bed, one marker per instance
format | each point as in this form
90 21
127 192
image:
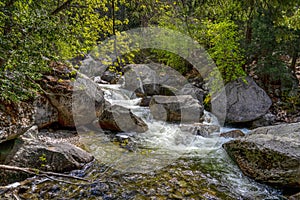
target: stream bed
162 163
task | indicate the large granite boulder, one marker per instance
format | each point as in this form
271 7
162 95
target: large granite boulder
270 155
142 79
246 101
155 79
56 152
195 92
183 108
15 119
121 119
81 101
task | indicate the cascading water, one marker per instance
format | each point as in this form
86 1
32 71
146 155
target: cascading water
165 143
162 163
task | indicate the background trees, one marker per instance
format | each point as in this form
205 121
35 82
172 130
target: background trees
34 33
242 37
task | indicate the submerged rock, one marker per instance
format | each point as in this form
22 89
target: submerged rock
183 108
246 101
270 155
121 119
44 152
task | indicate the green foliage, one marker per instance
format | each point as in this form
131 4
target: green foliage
269 42
235 33
43 160
224 49
171 59
221 38
33 33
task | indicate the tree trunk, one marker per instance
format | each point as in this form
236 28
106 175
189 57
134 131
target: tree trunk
294 59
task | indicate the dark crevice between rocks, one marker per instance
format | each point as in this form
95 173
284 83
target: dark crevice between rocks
56 126
5 148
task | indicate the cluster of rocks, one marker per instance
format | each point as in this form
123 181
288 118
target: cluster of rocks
26 135
269 154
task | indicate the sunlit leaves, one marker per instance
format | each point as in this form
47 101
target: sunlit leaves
32 35
224 49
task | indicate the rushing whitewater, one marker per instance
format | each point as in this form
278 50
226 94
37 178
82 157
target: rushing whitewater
165 143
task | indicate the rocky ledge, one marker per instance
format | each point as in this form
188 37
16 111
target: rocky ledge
270 155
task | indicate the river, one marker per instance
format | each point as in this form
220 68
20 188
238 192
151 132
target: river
162 163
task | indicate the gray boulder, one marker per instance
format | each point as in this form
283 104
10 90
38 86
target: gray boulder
270 155
141 79
121 119
195 92
92 66
246 101
48 152
15 119
182 108
153 79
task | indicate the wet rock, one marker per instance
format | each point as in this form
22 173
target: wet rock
45 113
98 80
182 108
44 153
121 119
245 101
270 155
110 77
15 119
232 134
200 129
145 102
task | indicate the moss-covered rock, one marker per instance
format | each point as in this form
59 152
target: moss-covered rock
270 155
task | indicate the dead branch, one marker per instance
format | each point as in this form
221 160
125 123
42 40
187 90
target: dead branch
38 172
